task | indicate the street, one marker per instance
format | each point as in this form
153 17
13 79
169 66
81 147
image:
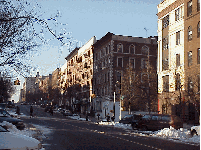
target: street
67 133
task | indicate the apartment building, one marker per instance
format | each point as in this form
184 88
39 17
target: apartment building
192 60
173 30
112 54
80 76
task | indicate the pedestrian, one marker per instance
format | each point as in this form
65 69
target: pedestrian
112 118
87 117
98 116
31 111
51 111
18 110
108 118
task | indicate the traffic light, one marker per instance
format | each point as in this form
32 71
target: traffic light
17 82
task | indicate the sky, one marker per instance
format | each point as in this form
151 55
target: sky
88 18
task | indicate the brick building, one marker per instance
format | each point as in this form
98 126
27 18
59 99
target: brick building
80 76
192 60
112 54
178 55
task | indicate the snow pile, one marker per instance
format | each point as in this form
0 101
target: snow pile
12 128
121 125
181 135
78 118
173 133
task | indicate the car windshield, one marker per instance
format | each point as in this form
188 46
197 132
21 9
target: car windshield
2 129
127 116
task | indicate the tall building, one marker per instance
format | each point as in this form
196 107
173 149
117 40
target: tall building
80 76
112 54
191 61
174 44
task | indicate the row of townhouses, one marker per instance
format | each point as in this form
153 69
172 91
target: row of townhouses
163 71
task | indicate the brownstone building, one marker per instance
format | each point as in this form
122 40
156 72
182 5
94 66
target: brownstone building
80 76
192 59
179 58
112 54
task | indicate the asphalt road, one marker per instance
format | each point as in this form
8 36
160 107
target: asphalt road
68 134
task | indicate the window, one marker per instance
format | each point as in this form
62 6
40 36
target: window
177 14
144 63
165 43
177 60
144 77
132 49
189 9
100 54
132 62
119 62
108 49
178 38
165 21
166 83
145 50
198 79
190 84
198 56
177 82
190 32
198 29
190 58
119 48
165 64
198 5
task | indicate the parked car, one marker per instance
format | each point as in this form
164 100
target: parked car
9 140
195 130
135 120
66 113
10 104
5 116
127 119
159 121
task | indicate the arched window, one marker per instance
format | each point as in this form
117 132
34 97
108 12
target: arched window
120 48
198 29
132 49
145 50
190 33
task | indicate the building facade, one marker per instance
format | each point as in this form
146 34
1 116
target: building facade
173 27
80 76
112 54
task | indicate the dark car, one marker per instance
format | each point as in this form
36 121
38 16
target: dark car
127 119
5 116
47 108
135 120
10 104
130 119
159 121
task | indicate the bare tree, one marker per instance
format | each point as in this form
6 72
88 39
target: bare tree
139 88
22 29
6 89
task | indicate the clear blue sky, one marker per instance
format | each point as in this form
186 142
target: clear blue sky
87 18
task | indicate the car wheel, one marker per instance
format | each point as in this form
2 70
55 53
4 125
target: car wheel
193 132
134 126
